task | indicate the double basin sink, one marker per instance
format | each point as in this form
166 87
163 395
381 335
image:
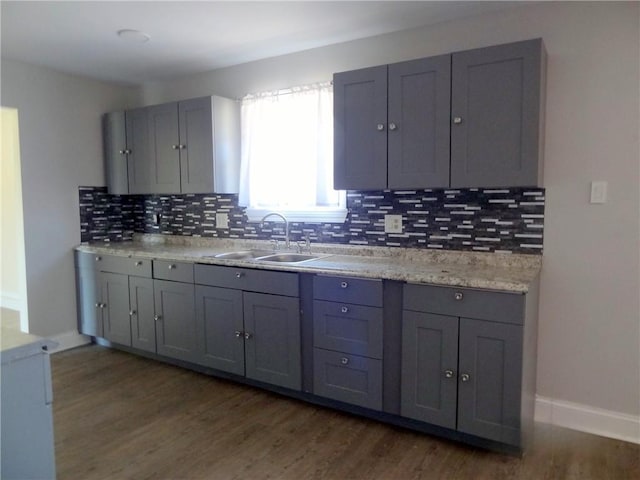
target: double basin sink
269 256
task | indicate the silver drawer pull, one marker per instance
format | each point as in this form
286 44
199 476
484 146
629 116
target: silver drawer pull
157 318
138 264
98 259
458 296
380 127
465 377
239 275
344 309
132 313
457 120
449 373
344 284
247 335
344 361
172 267
238 333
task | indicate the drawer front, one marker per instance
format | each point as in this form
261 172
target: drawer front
264 281
347 378
348 328
349 290
174 271
465 302
139 267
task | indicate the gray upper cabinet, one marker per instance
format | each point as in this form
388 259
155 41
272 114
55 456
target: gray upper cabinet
391 125
360 137
191 146
496 108
418 123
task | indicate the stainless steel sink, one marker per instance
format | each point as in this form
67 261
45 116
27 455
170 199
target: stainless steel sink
290 257
244 254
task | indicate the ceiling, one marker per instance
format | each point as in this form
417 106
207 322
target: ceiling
189 37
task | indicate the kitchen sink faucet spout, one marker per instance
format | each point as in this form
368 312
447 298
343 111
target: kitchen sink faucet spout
286 225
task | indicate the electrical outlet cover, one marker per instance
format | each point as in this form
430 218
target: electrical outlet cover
222 220
393 224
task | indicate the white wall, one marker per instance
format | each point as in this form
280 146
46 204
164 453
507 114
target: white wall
589 333
61 149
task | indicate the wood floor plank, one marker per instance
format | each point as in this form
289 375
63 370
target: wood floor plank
124 417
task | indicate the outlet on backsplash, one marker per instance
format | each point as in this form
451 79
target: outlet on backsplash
222 220
393 224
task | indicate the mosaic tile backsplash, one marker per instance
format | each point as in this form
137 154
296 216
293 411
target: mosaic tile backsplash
492 220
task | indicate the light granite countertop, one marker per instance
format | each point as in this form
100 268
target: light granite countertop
491 271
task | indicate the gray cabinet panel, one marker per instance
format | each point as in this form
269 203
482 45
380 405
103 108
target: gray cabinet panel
348 378
174 271
349 290
489 401
429 368
220 326
140 163
115 297
496 94
348 328
360 148
263 281
272 348
141 304
196 145
140 267
88 295
115 152
418 138
176 334
164 148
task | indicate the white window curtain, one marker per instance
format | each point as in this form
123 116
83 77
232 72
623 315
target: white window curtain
287 155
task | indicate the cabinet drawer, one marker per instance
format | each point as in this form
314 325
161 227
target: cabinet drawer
348 328
174 271
139 267
347 378
349 290
465 302
264 281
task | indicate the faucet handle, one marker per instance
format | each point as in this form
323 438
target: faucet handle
307 241
299 244
274 241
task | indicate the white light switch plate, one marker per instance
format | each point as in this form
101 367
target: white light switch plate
598 192
393 224
222 220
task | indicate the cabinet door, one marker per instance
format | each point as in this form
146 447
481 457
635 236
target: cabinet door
489 396
115 297
89 295
143 328
139 163
164 142
176 325
196 145
360 129
419 111
115 148
496 97
429 364
272 349
220 328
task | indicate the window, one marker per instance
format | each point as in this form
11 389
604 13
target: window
287 155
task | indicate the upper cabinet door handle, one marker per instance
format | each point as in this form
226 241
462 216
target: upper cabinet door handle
392 126
380 127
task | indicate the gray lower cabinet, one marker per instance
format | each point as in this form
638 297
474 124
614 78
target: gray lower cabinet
176 334
348 340
115 305
88 294
191 146
463 373
142 311
252 329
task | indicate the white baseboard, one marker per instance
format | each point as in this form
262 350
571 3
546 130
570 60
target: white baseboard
69 340
597 421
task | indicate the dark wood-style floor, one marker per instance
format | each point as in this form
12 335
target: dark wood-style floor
124 417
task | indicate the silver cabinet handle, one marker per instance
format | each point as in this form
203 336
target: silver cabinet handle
465 377
344 309
157 318
175 147
238 333
344 284
132 313
380 127
127 151
98 259
122 152
458 296
449 373
457 120
182 147
392 126
98 305
239 275
344 361
138 264
247 335
172 267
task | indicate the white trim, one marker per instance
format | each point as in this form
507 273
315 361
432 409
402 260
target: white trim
68 340
584 418
317 215
11 301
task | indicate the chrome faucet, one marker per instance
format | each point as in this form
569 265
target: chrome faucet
286 225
